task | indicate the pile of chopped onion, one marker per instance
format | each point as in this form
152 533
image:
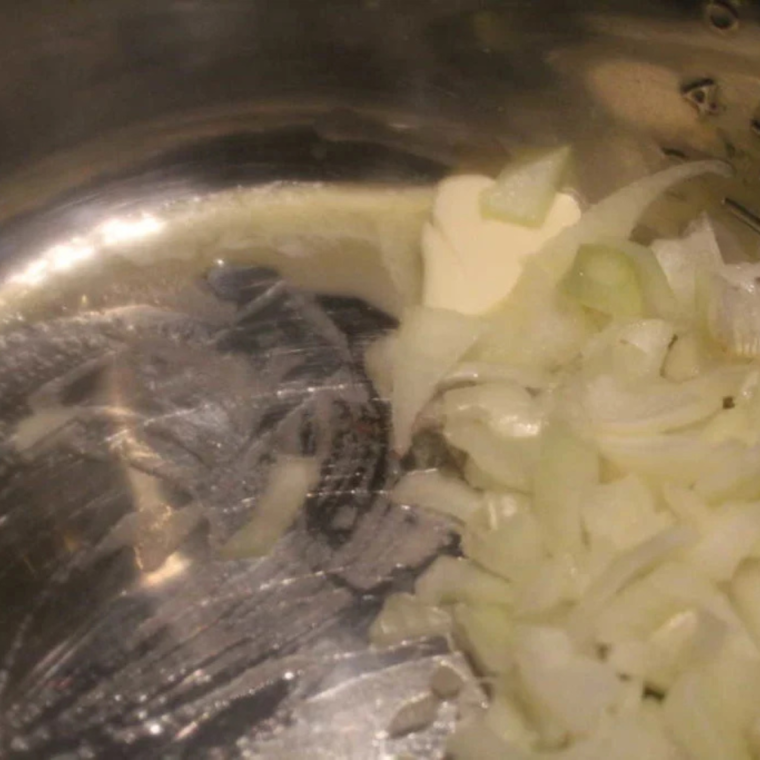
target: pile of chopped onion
606 421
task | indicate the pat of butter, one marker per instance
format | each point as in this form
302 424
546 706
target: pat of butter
472 262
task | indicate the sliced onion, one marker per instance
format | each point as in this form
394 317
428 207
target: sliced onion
734 533
744 275
635 613
507 461
405 618
688 507
710 709
657 296
507 718
688 356
437 492
640 735
622 514
379 362
290 481
741 421
733 315
485 632
629 659
685 583
639 349
478 478
733 676
623 570
428 345
734 473
613 441
680 458
617 215
450 580
573 690
745 594
654 407
537 327
524 191
685 640
544 587
691 717
682 258
506 408
474 741
470 373
567 470
504 538
604 279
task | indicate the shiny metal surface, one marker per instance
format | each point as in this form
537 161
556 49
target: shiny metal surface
169 396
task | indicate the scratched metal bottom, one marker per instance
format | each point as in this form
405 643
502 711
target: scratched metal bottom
139 641
135 437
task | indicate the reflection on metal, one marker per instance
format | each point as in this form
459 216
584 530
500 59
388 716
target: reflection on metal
742 213
702 94
722 16
66 256
171 422
174 565
114 231
59 258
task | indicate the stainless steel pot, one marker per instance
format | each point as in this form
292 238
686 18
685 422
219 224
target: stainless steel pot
110 650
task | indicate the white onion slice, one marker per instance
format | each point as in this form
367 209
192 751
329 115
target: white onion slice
405 618
655 407
472 372
290 481
505 538
506 408
689 355
617 215
507 718
602 278
571 689
623 570
680 458
745 594
622 514
437 492
659 299
524 191
475 741
682 258
733 315
428 345
734 473
734 533
688 507
546 587
691 717
638 350
507 461
567 470
450 580
379 362
485 632
636 612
